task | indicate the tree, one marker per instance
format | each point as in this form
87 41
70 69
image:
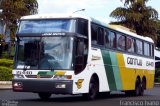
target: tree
137 16
14 9
158 35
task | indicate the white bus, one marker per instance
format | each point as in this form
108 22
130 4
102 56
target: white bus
73 54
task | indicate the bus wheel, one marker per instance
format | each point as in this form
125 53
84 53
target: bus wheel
93 89
137 91
44 96
143 86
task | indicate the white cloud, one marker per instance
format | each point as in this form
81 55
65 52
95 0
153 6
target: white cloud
94 8
56 6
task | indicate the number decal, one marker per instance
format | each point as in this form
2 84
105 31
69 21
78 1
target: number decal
24 72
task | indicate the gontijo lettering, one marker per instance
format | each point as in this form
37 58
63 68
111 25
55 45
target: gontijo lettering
134 61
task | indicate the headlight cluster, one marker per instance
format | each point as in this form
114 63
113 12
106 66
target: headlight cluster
62 77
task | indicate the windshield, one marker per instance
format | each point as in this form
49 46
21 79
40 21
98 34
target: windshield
45 26
44 53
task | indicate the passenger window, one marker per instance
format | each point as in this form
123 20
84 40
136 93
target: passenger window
100 36
146 49
130 45
106 35
94 29
139 47
121 42
151 50
112 39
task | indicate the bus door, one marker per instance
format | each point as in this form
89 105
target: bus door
81 54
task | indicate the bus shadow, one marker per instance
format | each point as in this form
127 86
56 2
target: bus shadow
79 98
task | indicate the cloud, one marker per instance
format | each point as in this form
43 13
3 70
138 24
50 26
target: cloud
56 6
99 9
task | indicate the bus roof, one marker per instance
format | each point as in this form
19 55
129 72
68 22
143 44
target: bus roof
114 27
129 32
52 16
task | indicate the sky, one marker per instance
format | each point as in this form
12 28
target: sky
99 9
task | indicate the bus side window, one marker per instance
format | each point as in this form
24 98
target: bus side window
121 42
106 35
130 45
151 50
94 29
100 36
146 49
139 47
82 27
112 39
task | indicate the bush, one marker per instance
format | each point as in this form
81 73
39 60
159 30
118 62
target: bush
6 63
5 55
157 79
6 69
5 73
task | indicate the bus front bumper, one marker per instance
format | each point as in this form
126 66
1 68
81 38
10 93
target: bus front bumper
43 85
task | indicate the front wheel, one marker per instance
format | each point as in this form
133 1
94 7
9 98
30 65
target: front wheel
93 90
44 96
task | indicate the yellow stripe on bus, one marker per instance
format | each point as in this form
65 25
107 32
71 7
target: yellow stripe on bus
125 73
129 75
60 73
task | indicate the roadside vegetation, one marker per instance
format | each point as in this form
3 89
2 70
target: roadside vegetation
11 11
137 16
6 69
157 75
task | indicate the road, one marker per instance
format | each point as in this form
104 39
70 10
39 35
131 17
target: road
9 98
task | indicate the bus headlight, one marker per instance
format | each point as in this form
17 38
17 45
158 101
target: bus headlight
18 76
63 77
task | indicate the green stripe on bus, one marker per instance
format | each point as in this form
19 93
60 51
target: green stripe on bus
109 69
42 73
50 73
45 73
116 71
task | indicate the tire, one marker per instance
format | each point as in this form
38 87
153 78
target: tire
137 91
143 86
93 90
44 96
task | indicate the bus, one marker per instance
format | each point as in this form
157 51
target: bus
74 54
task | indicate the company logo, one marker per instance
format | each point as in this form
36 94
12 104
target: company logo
79 83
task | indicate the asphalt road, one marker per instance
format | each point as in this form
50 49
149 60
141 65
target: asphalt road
9 98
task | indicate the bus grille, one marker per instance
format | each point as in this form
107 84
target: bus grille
39 76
